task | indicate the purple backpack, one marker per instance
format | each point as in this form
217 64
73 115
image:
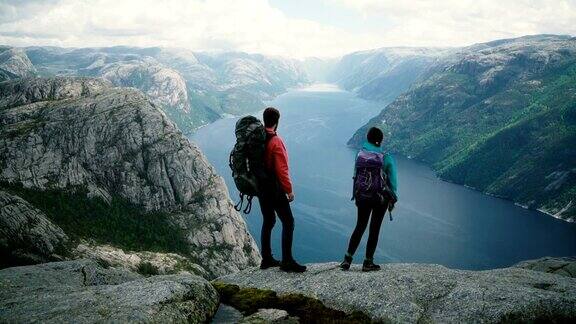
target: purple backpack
370 182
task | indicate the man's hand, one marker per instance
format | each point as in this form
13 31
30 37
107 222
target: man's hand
390 207
290 197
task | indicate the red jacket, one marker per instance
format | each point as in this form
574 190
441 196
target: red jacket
276 158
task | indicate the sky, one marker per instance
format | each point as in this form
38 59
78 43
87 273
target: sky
289 28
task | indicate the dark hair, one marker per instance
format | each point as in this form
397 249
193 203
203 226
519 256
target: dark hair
375 136
271 116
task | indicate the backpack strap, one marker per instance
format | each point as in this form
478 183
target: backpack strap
238 205
249 205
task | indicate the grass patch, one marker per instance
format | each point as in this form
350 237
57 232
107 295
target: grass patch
118 223
147 269
307 309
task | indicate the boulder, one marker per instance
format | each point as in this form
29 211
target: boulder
426 292
267 316
83 291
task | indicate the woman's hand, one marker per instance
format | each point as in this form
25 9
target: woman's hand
290 196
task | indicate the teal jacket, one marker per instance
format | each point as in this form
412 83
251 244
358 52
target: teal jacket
389 165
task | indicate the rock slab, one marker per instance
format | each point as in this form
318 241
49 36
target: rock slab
425 292
82 291
561 266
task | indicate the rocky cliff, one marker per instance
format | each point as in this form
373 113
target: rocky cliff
423 293
73 138
498 117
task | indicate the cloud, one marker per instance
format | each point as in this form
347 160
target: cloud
243 25
463 22
256 26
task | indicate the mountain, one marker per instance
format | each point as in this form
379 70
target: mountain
193 88
319 69
14 64
499 117
106 166
382 74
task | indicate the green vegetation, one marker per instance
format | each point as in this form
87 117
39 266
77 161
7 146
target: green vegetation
147 269
512 135
308 310
118 223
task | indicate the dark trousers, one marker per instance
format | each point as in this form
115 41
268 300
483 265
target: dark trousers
364 210
270 208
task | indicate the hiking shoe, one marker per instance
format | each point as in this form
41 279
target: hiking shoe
369 265
269 263
292 266
345 265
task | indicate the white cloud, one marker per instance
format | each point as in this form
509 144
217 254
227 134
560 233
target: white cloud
255 26
244 25
463 22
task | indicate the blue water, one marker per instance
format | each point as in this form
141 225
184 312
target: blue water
434 222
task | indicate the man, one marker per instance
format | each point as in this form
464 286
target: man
277 199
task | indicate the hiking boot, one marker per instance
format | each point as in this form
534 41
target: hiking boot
369 265
292 266
269 263
345 265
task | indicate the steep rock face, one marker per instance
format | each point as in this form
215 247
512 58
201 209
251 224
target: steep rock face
117 143
410 293
82 291
14 64
498 117
26 234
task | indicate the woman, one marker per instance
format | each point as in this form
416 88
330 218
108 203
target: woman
375 191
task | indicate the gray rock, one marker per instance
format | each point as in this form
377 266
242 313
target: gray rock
561 266
84 292
26 235
263 316
68 133
425 292
227 315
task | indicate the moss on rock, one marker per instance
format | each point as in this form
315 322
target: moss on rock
307 309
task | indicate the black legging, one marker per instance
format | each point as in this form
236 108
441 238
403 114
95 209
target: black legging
269 208
364 211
